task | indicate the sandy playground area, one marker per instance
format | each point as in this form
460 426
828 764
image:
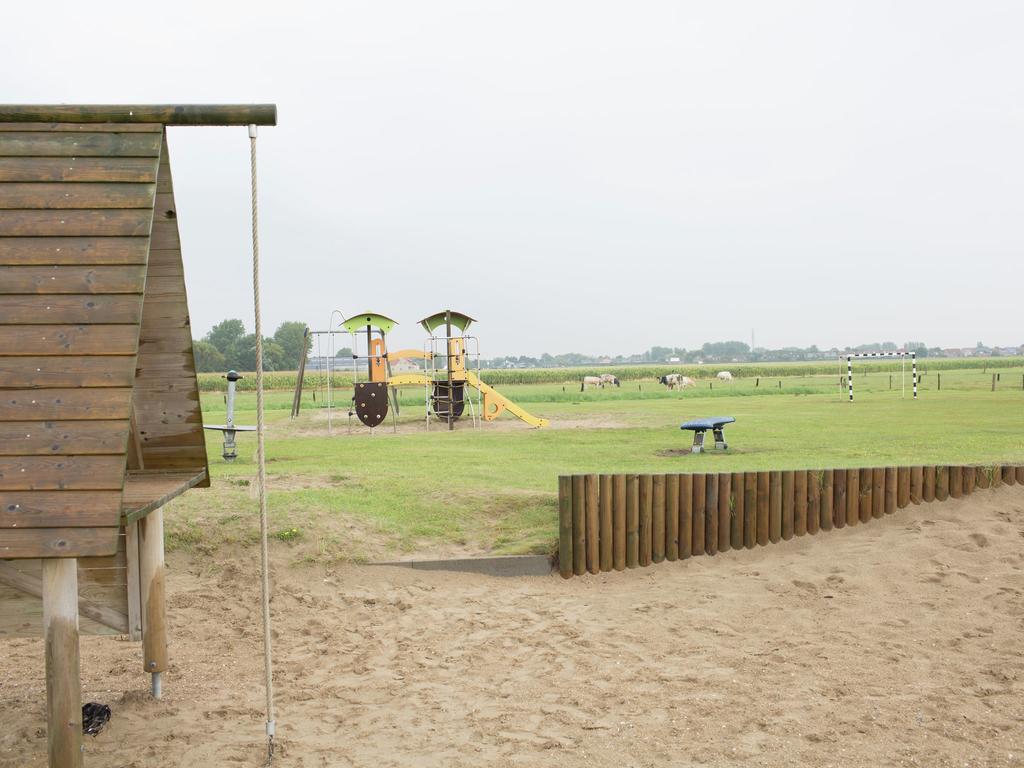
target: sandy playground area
897 643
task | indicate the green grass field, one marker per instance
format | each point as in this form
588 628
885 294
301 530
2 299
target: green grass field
492 490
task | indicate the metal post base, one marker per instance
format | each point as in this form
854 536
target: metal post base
156 685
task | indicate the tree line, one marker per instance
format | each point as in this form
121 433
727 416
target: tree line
228 346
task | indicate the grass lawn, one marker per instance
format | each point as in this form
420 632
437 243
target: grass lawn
492 490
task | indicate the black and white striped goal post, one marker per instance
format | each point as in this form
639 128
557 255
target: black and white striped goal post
902 354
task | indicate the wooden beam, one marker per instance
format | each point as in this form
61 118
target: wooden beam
63 686
151 578
168 114
31 585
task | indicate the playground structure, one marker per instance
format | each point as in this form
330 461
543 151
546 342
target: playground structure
229 428
100 416
450 378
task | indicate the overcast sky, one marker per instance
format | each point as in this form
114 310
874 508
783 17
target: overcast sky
582 176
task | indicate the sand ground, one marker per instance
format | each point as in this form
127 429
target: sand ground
896 643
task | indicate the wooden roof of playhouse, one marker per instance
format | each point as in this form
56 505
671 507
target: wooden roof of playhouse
99 404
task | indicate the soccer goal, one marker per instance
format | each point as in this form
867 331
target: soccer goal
903 355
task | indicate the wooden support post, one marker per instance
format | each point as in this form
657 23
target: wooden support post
891 489
657 518
941 483
646 523
774 507
63 687
605 521
825 503
1009 475
852 496
685 516
839 499
750 510
593 514
763 499
968 480
956 481
788 505
619 522
579 526
916 485
997 476
813 501
800 503
699 490
564 526
724 511
867 482
928 485
981 477
711 514
902 487
1019 473
154 609
736 496
632 521
134 584
878 492
671 517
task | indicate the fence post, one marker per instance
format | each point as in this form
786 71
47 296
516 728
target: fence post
852 496
685 516
671 517
774 507
698 514
565 526
632 521
788 505
825 501
646 524
839 499
579 529
657 518
750 510
605 521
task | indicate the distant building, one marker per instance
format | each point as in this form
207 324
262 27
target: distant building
952 352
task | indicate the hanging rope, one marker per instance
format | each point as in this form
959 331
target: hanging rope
261 477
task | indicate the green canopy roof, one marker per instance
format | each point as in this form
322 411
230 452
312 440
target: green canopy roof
360 321
435 321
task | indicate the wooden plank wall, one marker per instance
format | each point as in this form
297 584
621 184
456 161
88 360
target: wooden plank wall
651 518
167 412
76 209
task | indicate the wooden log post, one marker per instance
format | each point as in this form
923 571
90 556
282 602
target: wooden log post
800 503
1019 470
968 480
671 517
699 491
997 476
646 523
813 501
736 520
632 521
902 487
724 511
927 485
593 513
658 518
788 505
619 522
154 608
775 507
1009 475
579 527
916 485
839 498
956 481
891 489
852 496
763 499
685 516
941 483
867 484
750 510
63 686
565 526
878 492
981 477
711 514
604 490
825 504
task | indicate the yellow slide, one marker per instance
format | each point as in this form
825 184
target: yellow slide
495 403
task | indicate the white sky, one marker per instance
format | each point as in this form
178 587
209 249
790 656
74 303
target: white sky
583 176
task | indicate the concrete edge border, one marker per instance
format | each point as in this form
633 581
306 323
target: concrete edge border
512 565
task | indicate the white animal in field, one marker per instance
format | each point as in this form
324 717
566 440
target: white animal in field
677 381
609 379
591 381
724 376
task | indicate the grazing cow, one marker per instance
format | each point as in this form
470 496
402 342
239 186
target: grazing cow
724 376
677 381
591 381
607 378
